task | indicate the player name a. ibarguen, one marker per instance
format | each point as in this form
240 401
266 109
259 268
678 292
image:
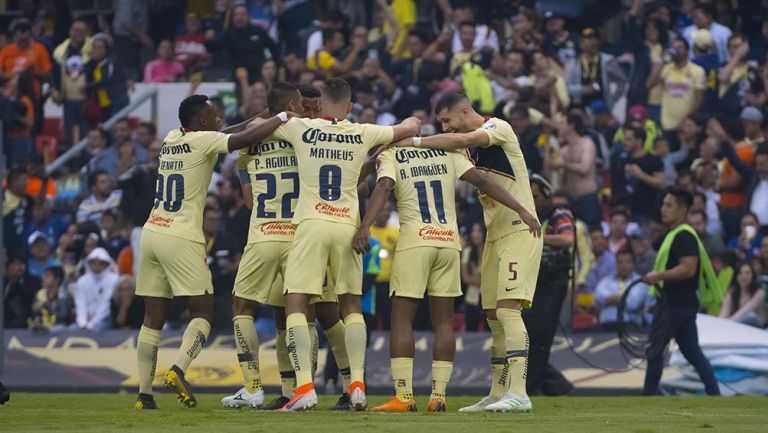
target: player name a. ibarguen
313 135
429 170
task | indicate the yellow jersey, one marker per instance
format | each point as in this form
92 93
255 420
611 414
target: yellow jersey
330 154
503 159
187 159
425 181
387 236
273 173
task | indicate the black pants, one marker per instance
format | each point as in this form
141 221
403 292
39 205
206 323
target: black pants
681 325
541 321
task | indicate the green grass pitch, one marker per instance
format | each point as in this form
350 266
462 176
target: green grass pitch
82 413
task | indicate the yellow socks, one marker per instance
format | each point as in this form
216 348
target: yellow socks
516 339
247 342
499 367
287 375
299 347
402 376
441 374
315 346
354 340
335 335
148 341
192 342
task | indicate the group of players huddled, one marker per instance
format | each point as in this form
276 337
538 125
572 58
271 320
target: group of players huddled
302 162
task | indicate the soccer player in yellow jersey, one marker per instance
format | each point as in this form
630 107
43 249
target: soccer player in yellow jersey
330 152
427 256
512 255
173 258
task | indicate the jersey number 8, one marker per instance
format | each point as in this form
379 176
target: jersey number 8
330 182
170 194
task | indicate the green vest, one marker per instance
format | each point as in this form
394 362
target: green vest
710 292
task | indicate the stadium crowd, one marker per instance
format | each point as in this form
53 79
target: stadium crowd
677 97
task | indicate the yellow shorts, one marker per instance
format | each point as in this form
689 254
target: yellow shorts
170 266
260 275
319 246
510 269
436 269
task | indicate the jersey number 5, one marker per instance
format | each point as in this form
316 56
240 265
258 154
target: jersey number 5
171 194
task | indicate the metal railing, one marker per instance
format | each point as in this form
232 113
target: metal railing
78 148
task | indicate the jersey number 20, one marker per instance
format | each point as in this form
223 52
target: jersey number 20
171 194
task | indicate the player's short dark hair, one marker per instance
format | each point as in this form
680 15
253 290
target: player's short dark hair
637 132
309 91
57 272
450 100
190 107
279 96
151 128
337 91
682 196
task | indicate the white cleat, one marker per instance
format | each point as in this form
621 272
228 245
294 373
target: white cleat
243 398
511 403
357 400
301 402
479 406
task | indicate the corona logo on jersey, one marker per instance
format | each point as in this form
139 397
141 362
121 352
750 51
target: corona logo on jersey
431 233
313 135
175 150
159 221
330 210
277 229
260 148
403 156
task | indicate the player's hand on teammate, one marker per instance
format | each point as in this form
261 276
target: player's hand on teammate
405 142
361 242
533 224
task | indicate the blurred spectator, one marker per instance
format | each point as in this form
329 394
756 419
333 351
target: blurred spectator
111 234
94 292
705 55
145 135
528 136
387 235
19 145
127 309
549 87
165 68
106 82
559 43
401 18
326 60
605 263
44 220
644 175
684 84
589 77
332 20
756 178
236 216
41 254
223 259
580 181
53 308
470 275
39 186
103 198
713 243
17 210
68 79
129 27
25 57
747 244
745 300
704 19
617 235
610 290
295 22
670 159
366 98
19 288
92 158
740 83
649 39
190 46
484 36
294 66
248 46
644 256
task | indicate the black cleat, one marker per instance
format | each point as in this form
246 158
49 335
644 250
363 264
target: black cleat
5 394
277 403
145 401
342 404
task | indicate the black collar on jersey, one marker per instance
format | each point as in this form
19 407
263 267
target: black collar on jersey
333 120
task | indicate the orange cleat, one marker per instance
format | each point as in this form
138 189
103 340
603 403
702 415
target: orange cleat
437 405
358 401
304 398
396 406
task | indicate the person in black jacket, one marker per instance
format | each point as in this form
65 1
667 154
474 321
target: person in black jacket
19 289
106 81
244 42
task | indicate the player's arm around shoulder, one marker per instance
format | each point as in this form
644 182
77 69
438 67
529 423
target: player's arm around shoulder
449 141
257 130
483 182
